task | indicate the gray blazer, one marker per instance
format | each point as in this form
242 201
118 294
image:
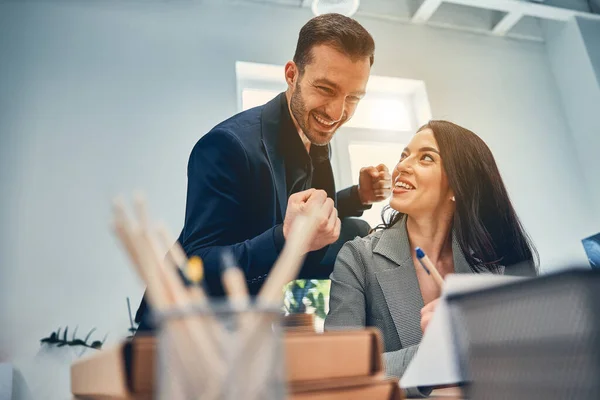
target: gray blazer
374 284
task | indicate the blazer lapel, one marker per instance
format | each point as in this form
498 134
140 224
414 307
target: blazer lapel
270 127
400 285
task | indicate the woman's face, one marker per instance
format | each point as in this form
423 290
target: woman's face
420 185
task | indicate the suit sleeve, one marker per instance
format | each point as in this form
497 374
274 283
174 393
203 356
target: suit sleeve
348 203
347 306
396 362
218 184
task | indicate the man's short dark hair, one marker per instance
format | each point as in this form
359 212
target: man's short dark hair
338 31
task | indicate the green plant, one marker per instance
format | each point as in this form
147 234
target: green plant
55 338
300 295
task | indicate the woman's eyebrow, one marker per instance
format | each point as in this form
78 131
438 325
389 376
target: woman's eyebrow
422 149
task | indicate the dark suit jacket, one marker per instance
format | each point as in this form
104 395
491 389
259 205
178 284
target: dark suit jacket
236 199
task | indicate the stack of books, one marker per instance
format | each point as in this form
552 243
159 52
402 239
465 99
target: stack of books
338 365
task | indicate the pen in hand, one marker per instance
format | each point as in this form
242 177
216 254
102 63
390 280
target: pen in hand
429 267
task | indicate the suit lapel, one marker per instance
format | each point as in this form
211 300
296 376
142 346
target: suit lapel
400 285
270 130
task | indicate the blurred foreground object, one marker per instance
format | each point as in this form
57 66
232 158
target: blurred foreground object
231 348
331 365
532 339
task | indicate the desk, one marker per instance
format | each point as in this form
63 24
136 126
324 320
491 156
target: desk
438 394
452 393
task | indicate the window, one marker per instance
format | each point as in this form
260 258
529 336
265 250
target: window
256 97
390 114
391 104
380 113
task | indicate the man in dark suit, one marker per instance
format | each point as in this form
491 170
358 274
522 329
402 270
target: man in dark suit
251 175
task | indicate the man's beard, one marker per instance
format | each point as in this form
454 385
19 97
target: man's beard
301 116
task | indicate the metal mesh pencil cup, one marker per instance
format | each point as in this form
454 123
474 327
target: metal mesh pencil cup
220 351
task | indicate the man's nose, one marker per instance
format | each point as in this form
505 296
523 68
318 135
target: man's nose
336 108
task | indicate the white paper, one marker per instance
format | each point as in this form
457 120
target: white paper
435 362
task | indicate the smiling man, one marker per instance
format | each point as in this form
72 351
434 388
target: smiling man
251 175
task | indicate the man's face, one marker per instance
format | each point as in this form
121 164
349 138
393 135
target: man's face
325 96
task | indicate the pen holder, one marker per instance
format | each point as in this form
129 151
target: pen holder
220 351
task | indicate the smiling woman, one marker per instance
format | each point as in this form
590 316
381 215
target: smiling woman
449 200
446 161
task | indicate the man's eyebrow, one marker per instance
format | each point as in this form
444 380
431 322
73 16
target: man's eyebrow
325 81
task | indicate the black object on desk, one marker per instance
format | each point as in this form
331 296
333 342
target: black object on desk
533 339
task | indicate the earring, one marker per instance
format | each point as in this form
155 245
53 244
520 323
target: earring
453 199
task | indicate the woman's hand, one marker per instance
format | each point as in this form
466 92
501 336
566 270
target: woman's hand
427 313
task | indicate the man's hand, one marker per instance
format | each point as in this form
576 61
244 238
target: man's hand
427 313
329 226
374 184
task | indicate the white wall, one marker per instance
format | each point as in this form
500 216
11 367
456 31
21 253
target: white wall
590 32
100 98
505 91
574 54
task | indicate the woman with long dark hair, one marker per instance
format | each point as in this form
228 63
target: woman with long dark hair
448 199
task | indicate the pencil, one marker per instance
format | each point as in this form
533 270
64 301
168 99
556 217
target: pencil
429 267
193 349
233 279
198 343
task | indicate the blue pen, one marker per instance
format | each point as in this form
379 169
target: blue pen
420 255
429 267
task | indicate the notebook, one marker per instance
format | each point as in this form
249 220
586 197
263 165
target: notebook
438 360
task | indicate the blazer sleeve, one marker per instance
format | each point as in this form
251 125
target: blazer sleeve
396 363
348 203
347 306
218 185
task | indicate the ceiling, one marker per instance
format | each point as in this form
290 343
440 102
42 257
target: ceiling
517 19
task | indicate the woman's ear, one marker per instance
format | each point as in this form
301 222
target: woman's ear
452 198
